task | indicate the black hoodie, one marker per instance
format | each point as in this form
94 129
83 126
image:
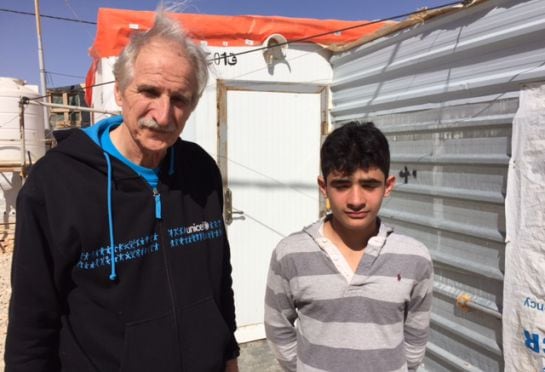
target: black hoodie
170 306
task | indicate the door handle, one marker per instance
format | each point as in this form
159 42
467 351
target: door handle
228 209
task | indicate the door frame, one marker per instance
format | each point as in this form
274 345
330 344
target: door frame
222 89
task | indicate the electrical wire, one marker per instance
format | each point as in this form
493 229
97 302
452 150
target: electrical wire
368 23
264 225
67 75
48 16
255 171
307 38
254 50
67 3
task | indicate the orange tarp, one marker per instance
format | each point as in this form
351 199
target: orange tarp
114 27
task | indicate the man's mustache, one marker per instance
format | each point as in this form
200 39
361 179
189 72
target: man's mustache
152 124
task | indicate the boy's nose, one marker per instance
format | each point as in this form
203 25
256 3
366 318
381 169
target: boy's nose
356 200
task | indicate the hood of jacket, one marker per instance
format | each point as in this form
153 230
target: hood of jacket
84 145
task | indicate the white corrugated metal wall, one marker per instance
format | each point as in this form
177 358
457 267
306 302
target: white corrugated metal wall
445 93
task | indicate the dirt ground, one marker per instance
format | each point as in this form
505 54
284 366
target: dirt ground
6 250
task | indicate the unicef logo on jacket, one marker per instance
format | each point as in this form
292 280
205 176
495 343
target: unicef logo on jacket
194 233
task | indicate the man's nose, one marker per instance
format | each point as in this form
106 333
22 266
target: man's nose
162 110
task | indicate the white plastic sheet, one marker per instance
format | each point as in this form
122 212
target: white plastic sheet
524 285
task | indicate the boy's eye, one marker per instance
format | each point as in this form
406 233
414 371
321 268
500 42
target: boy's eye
370 185
340 186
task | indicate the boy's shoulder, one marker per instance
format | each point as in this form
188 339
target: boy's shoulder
299 242
404 244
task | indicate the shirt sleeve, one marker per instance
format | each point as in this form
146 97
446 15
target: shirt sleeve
280 315
417 322
32 342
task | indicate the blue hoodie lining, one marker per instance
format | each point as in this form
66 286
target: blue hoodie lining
151 175
100 134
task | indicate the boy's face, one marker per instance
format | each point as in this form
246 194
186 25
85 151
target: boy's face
355 199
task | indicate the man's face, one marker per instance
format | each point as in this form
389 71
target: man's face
160 97
355 199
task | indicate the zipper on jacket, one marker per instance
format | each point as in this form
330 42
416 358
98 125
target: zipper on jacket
168 273
171 292
157 198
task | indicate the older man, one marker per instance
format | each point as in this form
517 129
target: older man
121 260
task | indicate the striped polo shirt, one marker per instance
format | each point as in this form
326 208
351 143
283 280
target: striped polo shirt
320 317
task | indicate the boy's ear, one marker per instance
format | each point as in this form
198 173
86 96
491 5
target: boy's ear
390 183
322 186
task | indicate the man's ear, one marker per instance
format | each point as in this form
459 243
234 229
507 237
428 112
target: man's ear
322 185
390 183
118 95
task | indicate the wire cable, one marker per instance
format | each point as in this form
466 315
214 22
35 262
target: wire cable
48 16
254 50
67 75
307 38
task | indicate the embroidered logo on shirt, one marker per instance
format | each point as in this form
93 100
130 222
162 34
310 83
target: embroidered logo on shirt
185 235
140 247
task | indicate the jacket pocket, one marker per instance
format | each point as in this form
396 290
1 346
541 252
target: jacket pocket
151 345
205 337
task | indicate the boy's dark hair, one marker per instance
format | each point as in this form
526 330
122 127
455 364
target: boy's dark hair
354 146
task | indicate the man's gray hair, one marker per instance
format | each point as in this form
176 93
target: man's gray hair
164 28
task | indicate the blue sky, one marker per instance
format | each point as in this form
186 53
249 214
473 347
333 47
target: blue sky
65 44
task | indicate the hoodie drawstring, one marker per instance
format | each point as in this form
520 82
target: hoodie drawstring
113 275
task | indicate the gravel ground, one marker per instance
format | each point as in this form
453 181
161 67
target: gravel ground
257 357
6 250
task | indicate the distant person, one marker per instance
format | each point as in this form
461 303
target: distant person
121 259
347 293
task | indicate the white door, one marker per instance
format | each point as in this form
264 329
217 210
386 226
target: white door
269 156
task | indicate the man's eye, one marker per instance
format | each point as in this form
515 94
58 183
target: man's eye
150 93
180 100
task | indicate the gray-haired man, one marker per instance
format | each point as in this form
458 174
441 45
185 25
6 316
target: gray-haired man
121 260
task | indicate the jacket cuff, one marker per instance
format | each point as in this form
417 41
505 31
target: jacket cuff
233 351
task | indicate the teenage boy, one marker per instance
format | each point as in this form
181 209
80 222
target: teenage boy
361 294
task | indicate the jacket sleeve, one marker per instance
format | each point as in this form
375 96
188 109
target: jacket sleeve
32 342
227 295
280 315
417 322
228 305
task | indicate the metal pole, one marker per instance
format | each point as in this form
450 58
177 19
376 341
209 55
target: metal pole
22 102
76 108
43 85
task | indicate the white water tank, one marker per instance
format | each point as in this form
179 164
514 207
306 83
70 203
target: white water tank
11 91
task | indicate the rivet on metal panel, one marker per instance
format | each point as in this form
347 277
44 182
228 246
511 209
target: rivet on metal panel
462 301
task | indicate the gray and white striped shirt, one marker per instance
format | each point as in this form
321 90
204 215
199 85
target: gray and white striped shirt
319 317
